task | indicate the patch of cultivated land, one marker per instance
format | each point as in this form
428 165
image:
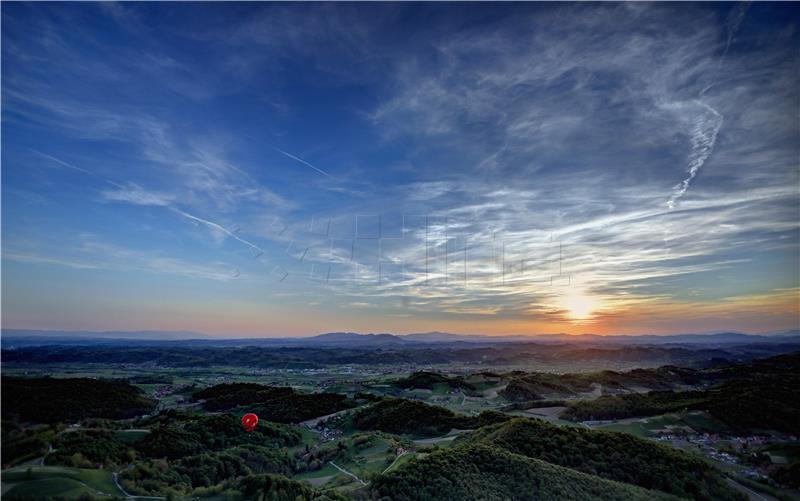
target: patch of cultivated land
697 421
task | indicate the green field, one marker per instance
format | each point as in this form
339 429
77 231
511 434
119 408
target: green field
42 481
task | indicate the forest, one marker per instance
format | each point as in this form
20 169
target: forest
493 474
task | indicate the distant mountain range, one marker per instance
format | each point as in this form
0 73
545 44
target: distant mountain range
22 337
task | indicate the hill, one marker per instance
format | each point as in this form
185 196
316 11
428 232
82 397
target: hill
409 417
51 400
615 456
489 473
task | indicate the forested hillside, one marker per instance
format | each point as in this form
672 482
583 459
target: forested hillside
615 456
402 416
281 404
430 380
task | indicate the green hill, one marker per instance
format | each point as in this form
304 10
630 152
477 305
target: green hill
615 456
490 473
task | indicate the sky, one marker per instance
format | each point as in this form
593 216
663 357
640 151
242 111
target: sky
287 169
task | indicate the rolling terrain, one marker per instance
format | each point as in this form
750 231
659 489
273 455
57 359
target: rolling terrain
694 431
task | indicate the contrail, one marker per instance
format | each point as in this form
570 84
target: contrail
61 162
219 227
184 214
735 18
74 167
704 135
301 161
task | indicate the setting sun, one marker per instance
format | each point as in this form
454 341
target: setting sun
579 306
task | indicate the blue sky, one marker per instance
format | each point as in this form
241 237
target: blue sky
289 169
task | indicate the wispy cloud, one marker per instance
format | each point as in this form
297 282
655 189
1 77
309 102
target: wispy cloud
94 255
135 194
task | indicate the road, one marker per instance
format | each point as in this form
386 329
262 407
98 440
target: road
347 473
395 460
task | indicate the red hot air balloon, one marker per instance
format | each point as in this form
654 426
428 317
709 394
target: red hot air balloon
249 421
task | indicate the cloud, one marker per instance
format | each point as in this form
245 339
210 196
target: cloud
544 142
135 194
94 255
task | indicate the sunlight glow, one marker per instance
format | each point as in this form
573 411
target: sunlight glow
579 306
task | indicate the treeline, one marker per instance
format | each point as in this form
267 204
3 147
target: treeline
52 400
280 404
489 473
615 456
409 417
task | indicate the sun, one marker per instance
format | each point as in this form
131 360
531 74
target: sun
579 305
